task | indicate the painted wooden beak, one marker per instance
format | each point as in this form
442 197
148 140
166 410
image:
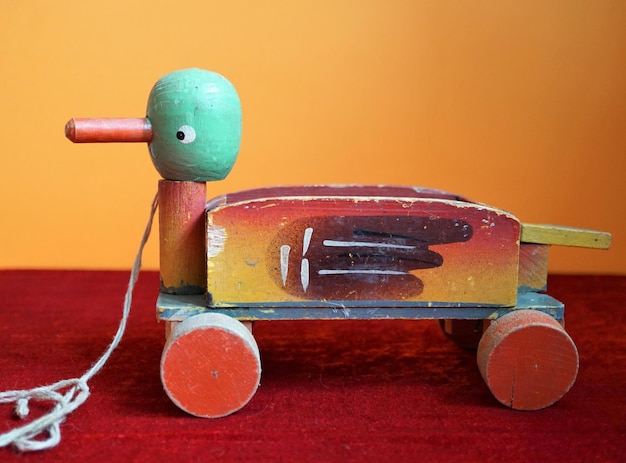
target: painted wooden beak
108 130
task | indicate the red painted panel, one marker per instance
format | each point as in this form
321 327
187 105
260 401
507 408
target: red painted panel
359 248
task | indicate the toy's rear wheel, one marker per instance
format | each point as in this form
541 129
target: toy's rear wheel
210 365
527 360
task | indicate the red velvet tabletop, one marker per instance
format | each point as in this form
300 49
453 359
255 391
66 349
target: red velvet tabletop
330 391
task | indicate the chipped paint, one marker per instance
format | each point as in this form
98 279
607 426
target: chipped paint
216 238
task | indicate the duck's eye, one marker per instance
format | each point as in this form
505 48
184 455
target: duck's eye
186 134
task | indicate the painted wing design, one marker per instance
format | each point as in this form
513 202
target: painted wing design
361 257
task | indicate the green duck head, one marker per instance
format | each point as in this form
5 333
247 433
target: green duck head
196 125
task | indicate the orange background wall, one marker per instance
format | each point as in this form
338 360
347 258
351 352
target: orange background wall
521 105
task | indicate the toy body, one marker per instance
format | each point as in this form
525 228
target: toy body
336 253
376 252
295 248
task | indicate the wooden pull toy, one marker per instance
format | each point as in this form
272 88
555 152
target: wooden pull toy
330 252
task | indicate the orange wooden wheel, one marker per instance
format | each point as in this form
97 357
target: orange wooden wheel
527 360
210 365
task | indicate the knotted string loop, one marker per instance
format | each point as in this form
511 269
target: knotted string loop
69 394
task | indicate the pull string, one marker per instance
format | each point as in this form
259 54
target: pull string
45 432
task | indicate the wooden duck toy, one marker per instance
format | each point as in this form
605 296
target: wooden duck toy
332 253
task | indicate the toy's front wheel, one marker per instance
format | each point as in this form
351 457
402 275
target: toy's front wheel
210 365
